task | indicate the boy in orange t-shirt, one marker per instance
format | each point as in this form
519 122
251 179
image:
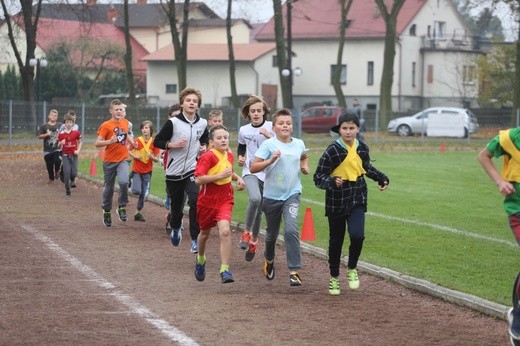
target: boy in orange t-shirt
113 134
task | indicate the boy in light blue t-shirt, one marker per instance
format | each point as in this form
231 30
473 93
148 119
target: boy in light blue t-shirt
279 156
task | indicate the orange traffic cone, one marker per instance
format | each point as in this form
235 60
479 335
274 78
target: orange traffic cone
101 153
308 226
93 168
443 148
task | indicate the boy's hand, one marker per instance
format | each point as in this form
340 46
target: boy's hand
304 169
241 161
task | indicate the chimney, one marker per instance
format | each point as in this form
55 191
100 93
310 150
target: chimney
141 2
91 2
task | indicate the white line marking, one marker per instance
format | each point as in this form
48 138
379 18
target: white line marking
431 225
171 332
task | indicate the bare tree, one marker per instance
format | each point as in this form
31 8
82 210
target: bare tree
514 5
179 39
336 77
231 56
281 53
128 56
387 78
29 20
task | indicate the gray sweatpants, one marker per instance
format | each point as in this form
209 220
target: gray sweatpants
274 211
111 170
255 189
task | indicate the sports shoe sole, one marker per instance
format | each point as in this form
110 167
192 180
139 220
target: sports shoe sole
226 278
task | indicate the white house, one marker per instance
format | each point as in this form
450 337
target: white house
434 61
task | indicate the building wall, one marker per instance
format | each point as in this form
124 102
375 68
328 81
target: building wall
211 78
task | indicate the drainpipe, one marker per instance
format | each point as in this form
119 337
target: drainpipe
400 76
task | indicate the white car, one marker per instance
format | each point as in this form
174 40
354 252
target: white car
417 124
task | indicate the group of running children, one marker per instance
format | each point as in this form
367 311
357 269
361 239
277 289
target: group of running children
198 164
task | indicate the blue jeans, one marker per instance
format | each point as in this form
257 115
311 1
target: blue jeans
141 186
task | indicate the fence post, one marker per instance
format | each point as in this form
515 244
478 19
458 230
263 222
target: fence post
83 118
10 123
157 118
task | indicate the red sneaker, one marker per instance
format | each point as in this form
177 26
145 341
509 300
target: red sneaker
244 240
250 253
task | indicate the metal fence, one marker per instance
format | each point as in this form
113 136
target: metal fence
19 117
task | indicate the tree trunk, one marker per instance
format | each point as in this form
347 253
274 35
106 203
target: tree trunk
336 78
231 55
281 52
180 45
128 57
516 98
387 77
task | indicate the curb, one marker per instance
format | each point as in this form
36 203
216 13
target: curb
462 299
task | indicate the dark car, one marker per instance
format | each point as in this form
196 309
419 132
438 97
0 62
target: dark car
320 119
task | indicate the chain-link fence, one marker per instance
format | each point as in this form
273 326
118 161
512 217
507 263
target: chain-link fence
19 118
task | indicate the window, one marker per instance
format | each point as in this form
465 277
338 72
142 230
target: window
413 30
430 74
468 74
343 74
171 88
439 30
413 73
275 61
370 73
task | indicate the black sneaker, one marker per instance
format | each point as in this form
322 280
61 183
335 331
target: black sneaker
269 269
73 183
295 280
107 218
139 217
121 212
67 194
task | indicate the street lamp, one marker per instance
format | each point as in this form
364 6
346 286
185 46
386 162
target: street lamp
38 62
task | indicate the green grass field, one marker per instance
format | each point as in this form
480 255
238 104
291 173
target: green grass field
441 219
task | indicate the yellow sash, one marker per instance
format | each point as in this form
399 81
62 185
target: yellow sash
142 153
352 167
222 164
511 166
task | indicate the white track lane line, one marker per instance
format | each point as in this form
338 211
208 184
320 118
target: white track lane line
171 332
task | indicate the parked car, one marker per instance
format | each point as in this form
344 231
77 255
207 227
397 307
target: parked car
320 119
417 124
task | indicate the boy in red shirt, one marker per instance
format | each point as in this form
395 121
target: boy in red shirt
214 173
69 140
145 154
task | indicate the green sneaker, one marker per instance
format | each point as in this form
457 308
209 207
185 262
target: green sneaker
139 217
121 212
334 286
353 279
